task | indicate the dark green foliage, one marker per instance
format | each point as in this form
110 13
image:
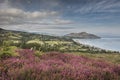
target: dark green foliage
7 52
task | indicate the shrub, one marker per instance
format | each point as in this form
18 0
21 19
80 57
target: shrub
7 52
57 66
38 53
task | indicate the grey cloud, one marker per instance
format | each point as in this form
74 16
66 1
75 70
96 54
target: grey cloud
60 21
14 15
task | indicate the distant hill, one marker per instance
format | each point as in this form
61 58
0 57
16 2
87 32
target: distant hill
9 33
1 29
82 35
22 35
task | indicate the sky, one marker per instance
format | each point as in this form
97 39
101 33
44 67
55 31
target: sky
61 17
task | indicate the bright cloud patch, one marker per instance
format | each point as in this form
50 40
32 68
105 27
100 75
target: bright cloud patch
12 15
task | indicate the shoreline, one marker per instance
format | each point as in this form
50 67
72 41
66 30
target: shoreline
94 48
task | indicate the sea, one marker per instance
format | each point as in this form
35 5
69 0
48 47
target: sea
112 44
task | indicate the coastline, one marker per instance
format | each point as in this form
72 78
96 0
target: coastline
94 48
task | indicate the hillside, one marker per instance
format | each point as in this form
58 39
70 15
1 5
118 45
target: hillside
28 56
19 35
56 66
82 35
1 29
44 43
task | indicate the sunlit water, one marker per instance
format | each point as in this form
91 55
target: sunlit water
104 43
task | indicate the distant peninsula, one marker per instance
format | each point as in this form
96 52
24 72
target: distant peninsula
82 35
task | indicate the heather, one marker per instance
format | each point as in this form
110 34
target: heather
56 66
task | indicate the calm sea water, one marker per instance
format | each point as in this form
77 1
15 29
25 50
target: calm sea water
103 43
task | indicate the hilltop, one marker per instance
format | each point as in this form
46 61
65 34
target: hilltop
1 29
20 35
82 35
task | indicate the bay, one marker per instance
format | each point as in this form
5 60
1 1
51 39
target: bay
103 43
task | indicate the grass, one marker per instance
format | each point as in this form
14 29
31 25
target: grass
49 42
35 41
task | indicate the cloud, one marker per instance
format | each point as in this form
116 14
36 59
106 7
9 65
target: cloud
108 6
98 11
60 16
13 15
60 21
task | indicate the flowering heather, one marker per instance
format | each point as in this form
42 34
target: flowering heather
56 66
